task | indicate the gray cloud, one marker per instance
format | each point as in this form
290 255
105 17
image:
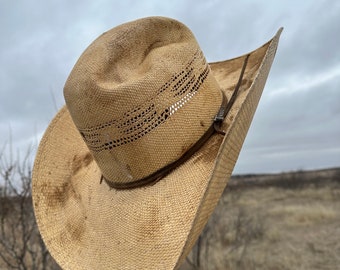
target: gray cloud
313 41
296 123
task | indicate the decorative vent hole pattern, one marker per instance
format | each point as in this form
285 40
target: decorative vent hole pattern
137 122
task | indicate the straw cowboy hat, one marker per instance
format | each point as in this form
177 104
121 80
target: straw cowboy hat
129 171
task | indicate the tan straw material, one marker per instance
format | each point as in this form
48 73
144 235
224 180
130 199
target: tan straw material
137 100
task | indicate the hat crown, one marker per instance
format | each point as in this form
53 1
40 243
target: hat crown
141 95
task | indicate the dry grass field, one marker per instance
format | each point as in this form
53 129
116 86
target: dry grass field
267 222
274 222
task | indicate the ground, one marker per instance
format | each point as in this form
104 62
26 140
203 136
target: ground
274 222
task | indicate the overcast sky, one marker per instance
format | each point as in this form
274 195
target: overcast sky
297 124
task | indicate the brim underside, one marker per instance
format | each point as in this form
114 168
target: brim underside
87 225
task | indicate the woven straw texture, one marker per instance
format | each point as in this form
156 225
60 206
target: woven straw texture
148 77
87 225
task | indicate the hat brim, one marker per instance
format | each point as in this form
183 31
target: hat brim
87 225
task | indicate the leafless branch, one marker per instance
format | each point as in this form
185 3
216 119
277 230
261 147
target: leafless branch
21 246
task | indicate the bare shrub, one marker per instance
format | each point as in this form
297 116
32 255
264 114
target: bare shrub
226 240
21 246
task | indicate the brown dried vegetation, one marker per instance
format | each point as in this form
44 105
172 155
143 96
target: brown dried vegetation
275 221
